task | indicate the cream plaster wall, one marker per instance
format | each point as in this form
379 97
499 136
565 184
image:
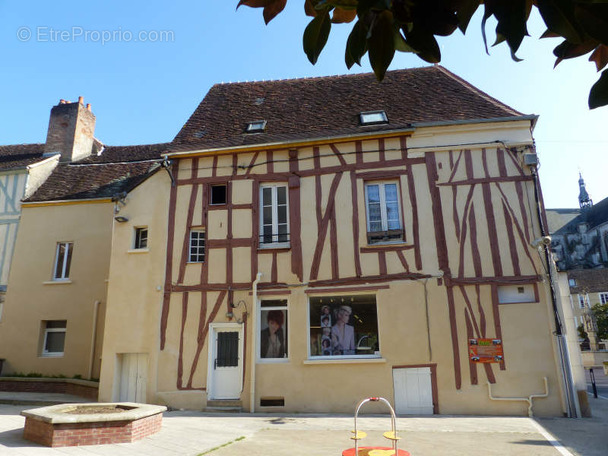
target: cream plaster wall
178 374
33 296
136 283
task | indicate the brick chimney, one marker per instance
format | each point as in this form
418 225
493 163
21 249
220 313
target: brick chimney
71 130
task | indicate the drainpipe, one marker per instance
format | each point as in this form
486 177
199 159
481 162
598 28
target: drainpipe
254 332
564 358
93 338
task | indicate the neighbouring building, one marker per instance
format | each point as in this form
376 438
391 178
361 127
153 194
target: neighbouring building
53 320
306 243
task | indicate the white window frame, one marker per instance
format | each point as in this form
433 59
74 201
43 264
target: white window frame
275 216
383 211
196 257
287 332
48 330
66 261
339 358
137 239
604 297
583 301
373 117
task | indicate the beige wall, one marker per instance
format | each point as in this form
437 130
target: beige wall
34 297
136 283
430 300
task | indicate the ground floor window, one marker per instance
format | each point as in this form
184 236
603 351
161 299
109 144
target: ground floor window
273 326
343 326
54 337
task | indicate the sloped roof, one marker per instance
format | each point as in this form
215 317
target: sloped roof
589 280
118 169
594 216
297 109
18 156
557 218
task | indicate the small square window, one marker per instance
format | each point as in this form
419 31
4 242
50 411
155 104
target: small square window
141 238
572 282
54 338
197 246
373 117
218 194
256 126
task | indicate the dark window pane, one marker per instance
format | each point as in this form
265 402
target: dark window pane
55 342
282 195
218 194
227 349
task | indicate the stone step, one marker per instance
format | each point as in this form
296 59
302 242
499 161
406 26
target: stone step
224 405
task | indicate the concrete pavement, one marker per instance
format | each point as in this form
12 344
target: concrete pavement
195 433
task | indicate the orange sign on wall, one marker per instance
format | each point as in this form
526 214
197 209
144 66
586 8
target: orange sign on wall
485 350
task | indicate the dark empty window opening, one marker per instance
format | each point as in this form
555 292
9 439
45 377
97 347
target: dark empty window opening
272 402
218 194
373 117
257 126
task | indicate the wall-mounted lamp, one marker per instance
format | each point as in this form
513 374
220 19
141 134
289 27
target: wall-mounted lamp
121 219
230 315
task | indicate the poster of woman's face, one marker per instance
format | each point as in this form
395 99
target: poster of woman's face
273 334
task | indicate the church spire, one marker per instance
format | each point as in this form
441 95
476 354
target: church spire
584 200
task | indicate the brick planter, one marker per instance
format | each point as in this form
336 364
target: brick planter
52 426
83 388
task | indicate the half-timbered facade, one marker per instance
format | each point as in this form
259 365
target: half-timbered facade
334 238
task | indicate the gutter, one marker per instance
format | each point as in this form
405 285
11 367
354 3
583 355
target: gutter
343 138
66 202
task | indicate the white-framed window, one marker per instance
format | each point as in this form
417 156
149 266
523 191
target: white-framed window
583 301
196 246
274 215
572 282
141 238
383 212
273 330
218 194
63 259
343 327
604 298
373 117
53 343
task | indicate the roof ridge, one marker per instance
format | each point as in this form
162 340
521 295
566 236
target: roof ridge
477 91
312 78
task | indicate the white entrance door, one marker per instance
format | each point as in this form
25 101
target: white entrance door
413 391
225 361
133 368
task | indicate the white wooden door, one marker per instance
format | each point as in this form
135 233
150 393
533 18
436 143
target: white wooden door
225 361
133 377
413 391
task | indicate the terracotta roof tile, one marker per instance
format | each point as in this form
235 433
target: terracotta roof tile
20 155
321 107
78 181
114 154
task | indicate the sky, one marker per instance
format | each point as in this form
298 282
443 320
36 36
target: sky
145 66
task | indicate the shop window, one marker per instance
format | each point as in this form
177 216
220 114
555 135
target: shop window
343 326
273 329
383 214
274 210
63 259
53 343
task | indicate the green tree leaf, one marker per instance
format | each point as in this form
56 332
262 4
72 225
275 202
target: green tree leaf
464 11
424 43
356 46
567 50
559 18
600 311
315 35
599 92
381 43
594 20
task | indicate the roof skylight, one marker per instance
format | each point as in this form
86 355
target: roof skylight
372 117
257 126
